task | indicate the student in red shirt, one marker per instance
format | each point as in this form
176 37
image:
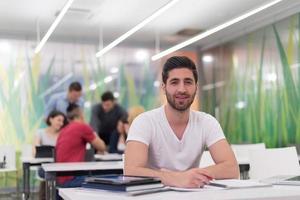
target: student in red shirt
71 143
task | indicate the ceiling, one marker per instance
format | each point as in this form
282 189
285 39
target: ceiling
82 23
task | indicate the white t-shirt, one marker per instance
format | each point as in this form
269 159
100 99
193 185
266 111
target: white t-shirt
166 151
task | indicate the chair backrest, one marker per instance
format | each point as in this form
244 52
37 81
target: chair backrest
273 162
206 160
10 156
26 151
242 151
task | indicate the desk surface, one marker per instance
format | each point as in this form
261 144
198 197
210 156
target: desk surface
275 192
82 166
32 160
109 157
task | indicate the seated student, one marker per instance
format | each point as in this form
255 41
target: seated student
71 143
119 136
168 142
48 136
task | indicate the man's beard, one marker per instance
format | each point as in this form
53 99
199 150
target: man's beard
180 106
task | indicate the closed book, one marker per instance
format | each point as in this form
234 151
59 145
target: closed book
121 183
121 188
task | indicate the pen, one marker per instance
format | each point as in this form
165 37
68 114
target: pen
218 185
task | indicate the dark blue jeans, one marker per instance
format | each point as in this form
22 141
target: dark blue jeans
75 182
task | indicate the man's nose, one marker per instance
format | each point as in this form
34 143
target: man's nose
181 87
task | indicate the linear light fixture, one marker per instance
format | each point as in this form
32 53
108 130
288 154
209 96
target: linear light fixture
136 28
53 26
212 31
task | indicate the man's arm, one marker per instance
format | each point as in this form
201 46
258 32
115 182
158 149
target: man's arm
226 164
98 144
136 157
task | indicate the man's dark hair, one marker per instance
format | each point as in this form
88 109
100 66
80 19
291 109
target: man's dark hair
108 95
75 86
73 111
55 113
177 62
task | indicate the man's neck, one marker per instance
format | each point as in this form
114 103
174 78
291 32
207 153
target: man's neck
176 117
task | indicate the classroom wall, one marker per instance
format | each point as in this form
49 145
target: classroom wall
28 80
253 86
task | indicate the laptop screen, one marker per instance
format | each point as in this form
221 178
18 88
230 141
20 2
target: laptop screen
44 152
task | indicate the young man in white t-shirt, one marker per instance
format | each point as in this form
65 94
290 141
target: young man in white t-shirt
168 142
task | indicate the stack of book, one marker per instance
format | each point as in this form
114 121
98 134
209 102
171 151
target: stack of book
122 183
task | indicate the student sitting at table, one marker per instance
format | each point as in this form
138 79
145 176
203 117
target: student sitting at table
47 137
168 142
119 136
71 143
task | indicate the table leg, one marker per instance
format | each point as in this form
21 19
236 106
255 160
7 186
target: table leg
26 180
50 186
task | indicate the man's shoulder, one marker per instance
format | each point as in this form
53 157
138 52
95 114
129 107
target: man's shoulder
200 115
78 126
96 106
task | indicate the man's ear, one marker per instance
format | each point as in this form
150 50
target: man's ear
163 87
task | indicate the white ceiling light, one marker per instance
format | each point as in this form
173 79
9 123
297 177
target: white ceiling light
141 55
108 79
207 58
114 70
116 94
213 30
53 26
136 28
240 104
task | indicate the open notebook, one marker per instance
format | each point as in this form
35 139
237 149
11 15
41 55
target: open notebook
237 184
282 180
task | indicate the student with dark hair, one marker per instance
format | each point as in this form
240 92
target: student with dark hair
168 142
61 101
105 116
55 121
71 143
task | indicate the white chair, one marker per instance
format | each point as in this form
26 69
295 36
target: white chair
272 162
206 160
242 151
9 153
242 154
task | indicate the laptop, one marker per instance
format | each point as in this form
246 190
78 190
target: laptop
283 180
44 151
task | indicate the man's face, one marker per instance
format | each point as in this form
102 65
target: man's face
180 89
74 96
107 105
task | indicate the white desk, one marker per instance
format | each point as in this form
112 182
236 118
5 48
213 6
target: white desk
27 162
275 192
108 157
52 170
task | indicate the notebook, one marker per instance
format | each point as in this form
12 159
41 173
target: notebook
237 184
122 183
44 151
283 180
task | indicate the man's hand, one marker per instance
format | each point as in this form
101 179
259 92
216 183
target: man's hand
193 178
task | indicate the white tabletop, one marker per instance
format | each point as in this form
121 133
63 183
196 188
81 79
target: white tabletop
82 166
36 160
110 156
275 192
